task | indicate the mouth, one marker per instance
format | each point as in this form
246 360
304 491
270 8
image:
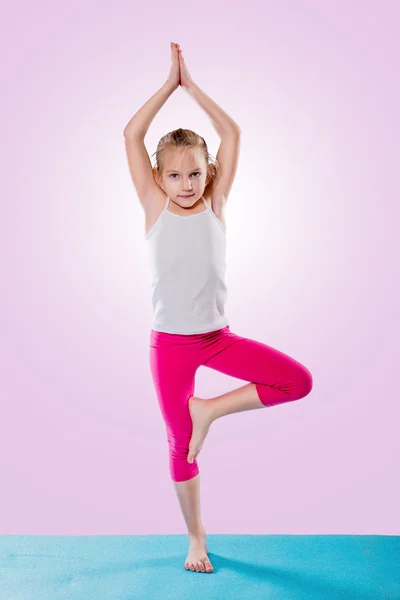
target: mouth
187 196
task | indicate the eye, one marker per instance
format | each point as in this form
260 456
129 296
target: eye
195 173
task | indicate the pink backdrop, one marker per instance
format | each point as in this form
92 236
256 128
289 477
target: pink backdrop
312 264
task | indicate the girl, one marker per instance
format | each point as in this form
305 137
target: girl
184 200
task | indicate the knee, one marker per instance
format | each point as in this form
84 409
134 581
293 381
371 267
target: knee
306 383
180 469
180 476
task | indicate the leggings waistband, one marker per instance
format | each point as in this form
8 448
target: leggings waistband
165 339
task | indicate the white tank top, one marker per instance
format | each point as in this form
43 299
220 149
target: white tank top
187 261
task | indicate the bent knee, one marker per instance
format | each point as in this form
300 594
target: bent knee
180 468
306 384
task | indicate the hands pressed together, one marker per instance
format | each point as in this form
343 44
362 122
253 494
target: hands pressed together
179 74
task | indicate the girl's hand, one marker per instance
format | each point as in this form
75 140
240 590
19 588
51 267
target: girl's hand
186 80
174 74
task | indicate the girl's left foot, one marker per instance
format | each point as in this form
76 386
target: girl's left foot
197 558
201 418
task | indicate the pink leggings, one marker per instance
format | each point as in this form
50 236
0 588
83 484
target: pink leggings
174 360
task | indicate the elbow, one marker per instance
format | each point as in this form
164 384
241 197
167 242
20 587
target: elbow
235 128
133 135
232 130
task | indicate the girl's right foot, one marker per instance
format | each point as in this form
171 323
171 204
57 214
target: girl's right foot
200 413
197 558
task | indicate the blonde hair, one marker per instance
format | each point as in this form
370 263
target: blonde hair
185 139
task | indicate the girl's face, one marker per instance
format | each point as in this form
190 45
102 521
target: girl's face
184 173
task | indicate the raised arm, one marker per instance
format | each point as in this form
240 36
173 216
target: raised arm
227 129
138 159
222 122
141 121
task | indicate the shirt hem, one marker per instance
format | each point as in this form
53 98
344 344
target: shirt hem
180 332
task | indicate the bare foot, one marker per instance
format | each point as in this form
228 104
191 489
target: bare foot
197 558
201 419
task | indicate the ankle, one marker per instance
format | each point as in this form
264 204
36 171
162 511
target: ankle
197 534
212 410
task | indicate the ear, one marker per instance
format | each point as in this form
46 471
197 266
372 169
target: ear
209 186
156 175
157 178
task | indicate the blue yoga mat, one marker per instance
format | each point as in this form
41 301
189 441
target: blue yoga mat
284 567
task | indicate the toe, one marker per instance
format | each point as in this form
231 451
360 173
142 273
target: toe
208 565
201 565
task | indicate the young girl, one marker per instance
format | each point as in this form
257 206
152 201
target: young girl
184 200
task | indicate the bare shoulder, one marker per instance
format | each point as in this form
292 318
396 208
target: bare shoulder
217 205
153 205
